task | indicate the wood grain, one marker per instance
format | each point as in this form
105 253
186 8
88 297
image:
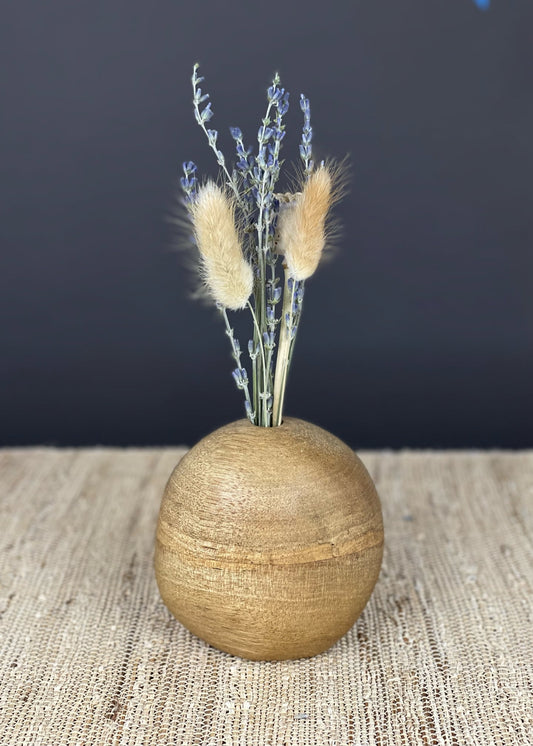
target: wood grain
269 540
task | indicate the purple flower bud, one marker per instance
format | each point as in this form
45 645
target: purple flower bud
264 133
274 93
304 104
206 114
283 106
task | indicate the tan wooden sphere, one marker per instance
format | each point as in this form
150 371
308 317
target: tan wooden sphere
269 540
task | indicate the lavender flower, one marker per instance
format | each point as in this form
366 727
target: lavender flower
189 182
307 135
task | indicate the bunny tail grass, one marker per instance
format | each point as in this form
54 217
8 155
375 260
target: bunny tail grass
302 229
227 275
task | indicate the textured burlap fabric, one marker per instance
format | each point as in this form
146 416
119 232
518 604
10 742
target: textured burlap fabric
89 655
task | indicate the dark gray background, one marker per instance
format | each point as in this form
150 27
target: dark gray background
419 333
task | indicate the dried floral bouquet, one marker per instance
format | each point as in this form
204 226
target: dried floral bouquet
244 230
269 539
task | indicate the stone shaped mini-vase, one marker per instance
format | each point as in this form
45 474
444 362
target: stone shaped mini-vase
269 540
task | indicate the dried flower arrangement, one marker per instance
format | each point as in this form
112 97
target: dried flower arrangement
244 230
269 539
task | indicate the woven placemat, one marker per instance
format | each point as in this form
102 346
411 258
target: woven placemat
89 655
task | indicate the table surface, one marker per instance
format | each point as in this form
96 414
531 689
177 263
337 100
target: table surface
442 654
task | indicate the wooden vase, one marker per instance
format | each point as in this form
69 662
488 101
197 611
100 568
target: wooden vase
269 540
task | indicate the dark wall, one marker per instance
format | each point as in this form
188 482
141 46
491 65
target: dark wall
419 333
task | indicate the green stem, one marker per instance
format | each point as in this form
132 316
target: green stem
264 419
282 361
293 336
235 352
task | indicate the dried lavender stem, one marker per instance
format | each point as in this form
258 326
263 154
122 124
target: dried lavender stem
212 143
269 366
262 263
236 353
262 249
255 378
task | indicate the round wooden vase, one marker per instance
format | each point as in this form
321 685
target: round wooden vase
269 540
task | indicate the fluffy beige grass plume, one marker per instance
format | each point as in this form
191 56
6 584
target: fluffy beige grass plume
302 225
227 275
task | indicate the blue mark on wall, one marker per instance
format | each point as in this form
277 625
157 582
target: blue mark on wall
482 4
